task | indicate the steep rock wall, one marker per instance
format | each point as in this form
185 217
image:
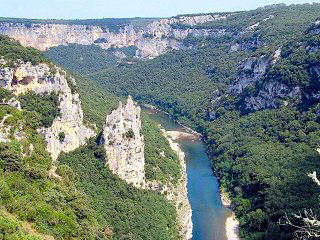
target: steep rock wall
39 78
273 92
124 144
154 39
250 71
272 95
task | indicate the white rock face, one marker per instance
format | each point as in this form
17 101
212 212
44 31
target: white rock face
276 55
27 77
159 40
125 157
124 144
4 130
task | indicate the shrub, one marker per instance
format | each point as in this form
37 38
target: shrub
46 105
4 94
129 133
61 136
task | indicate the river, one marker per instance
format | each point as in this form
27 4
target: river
208 213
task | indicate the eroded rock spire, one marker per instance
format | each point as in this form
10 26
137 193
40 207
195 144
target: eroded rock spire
124 144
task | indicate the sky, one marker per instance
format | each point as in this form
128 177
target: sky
84 9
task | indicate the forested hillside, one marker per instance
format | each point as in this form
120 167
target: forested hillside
87 59
254 94
212 64
82 199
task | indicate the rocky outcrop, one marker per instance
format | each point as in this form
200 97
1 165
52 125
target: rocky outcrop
41 79
275 90
254 26
124 143
250 71
315 28
225 200
4 130
273 95
251 74
124 147
271 92
154 39
253 44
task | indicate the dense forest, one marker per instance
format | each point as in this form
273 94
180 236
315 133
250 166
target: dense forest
263 160
157 168
130 213
85 59
261 155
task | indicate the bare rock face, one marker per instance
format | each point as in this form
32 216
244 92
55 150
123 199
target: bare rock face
250 71
156 38
39 78
272 95
124 144
4 130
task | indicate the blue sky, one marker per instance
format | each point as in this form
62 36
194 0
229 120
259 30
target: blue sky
80 9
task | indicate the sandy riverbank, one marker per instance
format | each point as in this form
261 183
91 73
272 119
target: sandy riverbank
184 212
232 224
175 135
232 228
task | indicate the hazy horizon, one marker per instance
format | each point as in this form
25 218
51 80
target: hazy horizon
98 9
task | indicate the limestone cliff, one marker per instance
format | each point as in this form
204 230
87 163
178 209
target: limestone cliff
124 147
250 71
154 39
274 90
40 78
124 144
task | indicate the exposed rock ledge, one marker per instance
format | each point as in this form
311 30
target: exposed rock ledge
226 202
181 201
41 79
155 39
